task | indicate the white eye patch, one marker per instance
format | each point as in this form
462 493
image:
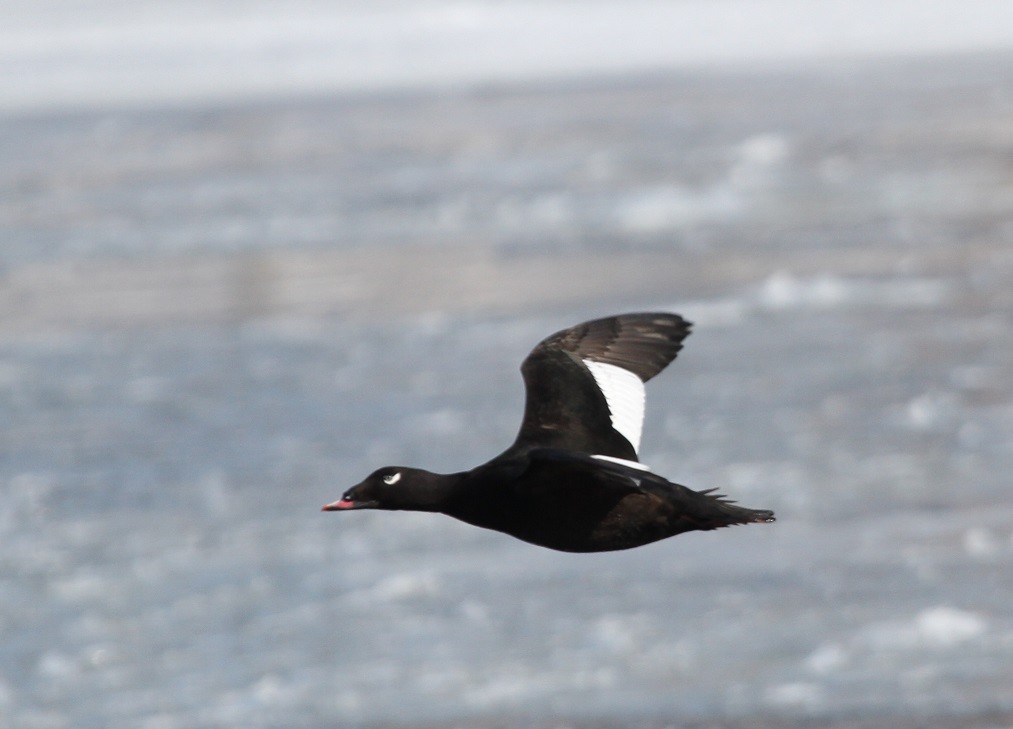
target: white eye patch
392 478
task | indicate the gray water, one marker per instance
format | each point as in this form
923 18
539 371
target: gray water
213 319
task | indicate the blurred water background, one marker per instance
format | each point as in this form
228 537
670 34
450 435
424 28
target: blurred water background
251 251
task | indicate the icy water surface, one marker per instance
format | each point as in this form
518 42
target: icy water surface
212 322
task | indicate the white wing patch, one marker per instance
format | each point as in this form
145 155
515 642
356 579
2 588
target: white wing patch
624 394
622 461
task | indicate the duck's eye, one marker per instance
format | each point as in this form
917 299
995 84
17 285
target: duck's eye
392 478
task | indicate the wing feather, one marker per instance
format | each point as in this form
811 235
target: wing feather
584 385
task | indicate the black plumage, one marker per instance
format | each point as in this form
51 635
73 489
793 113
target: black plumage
571 480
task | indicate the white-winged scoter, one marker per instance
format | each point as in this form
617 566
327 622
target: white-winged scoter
571 480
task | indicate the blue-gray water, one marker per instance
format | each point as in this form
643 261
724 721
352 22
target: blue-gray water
214 319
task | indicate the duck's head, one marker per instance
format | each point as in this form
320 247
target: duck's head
392 487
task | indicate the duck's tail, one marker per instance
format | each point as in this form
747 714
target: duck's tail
711 510
704 510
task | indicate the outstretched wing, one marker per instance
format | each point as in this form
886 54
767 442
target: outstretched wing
585 385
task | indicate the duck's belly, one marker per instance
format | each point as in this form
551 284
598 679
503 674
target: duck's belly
583 525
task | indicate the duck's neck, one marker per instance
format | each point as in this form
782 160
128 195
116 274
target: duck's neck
428 492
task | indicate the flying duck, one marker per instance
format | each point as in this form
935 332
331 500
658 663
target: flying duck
572 479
